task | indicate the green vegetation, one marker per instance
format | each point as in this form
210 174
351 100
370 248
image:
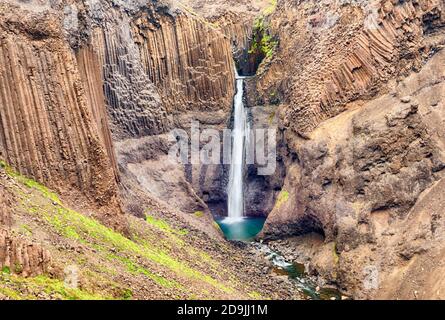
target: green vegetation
271 8
16 286
199 214
137 269
6 270
88 231
162 225
263 44
255 295
282 198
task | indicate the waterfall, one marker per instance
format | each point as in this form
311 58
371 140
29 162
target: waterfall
235 190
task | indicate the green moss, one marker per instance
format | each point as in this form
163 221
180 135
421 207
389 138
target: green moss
282 198
164 226
199 214
263 44
6 270
271 8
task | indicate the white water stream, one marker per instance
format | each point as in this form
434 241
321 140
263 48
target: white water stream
240 130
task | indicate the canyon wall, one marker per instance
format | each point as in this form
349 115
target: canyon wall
47 128
361 113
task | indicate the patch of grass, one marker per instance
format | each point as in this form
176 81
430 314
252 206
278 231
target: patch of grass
281 199
164 226
255 295
30 183
263 43
199 214
271 8
26 229
6 270
9 293
135 268
127 294
54 288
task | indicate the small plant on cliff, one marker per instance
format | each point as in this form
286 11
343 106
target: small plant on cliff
271 8
281 199
263 44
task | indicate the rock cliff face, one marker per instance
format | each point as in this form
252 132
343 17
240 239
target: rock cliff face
18 255
145 66
361 112
88 92
342 51
47 128
235 18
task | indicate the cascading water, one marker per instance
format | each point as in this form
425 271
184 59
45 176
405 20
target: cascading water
236 226
235 190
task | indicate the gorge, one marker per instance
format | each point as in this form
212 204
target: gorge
91 207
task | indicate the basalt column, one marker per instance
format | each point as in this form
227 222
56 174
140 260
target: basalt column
46 128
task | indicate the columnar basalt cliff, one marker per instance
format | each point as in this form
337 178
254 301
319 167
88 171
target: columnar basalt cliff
47 130
88 92
236 20
345 51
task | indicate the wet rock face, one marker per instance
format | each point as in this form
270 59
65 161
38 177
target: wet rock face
332 52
